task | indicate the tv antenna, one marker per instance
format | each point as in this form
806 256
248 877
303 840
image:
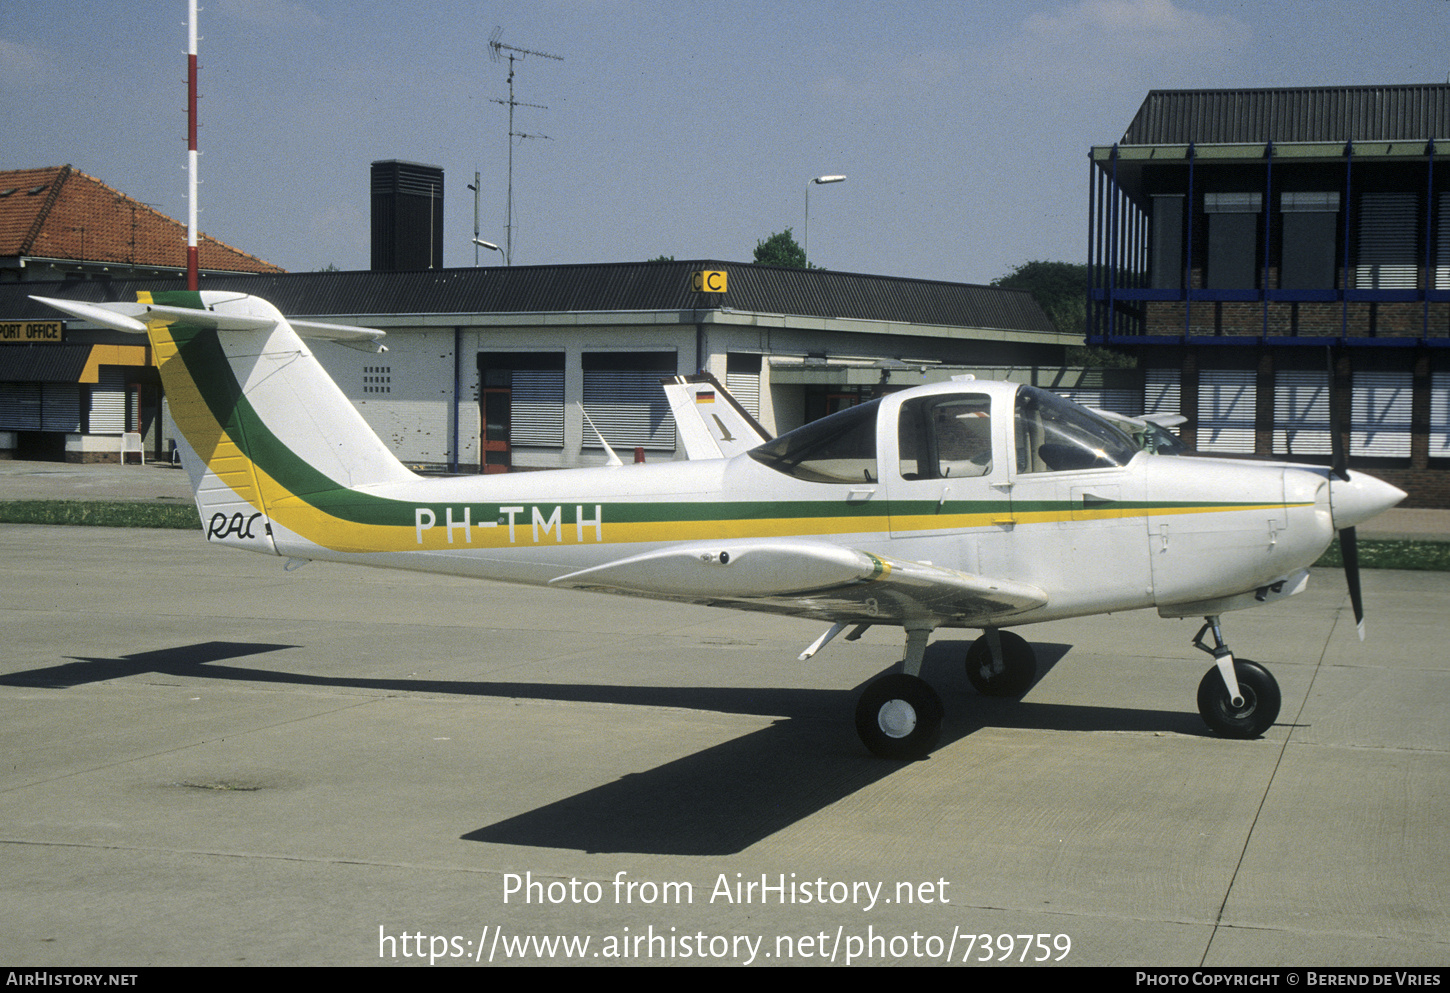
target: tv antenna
514 54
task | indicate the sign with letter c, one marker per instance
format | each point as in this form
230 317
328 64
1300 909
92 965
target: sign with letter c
709 281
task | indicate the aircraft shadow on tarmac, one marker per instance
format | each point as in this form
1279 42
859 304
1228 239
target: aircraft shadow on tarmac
717 801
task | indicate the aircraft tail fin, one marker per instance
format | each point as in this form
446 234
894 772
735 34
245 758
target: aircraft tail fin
711 422
268 435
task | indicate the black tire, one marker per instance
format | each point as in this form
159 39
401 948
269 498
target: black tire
1019 666
1261 701
899 717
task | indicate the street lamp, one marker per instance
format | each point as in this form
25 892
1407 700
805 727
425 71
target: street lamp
806 238
485 244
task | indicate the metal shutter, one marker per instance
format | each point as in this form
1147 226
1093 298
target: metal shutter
1104 398
1301 413
1162 391
536 408
20 406
108 403
1380 414
1440 415
1226 407
745 388
1388 224
629 408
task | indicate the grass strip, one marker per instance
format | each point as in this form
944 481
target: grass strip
101 513
1431 556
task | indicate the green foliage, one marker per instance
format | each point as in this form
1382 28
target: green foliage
115 514
661 258
1431 556
781 249
1060 289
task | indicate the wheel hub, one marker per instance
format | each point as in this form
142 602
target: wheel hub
896 718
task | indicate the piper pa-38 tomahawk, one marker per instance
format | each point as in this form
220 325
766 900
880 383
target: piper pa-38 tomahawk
968 504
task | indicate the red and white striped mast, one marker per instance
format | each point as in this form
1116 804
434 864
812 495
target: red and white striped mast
192 258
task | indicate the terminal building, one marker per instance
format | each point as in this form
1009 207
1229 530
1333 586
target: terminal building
1264 253
495 368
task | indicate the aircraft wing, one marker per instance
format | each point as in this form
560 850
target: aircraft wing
711 423
810 579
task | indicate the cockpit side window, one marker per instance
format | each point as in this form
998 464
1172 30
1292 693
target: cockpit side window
1054 435
840 448
945 437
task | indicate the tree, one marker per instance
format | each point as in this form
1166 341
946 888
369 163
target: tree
1060 289
781 249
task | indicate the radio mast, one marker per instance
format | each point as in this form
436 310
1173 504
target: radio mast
500 50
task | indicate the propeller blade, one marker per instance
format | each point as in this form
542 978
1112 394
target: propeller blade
1339 460
1349 551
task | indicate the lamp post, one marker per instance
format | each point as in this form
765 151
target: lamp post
474 187
806 238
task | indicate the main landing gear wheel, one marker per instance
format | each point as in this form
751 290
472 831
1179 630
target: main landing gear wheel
1015 674
899 717
1257 712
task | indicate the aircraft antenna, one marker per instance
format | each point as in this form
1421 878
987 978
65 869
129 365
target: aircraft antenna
498 50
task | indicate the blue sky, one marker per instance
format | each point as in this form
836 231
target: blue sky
678 128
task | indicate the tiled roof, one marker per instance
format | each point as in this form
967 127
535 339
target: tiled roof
61 213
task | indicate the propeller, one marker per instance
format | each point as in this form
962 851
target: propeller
1339 465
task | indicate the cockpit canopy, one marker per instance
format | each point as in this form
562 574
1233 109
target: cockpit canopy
949 435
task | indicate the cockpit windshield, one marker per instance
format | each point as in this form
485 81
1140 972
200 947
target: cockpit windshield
1054 435
840 448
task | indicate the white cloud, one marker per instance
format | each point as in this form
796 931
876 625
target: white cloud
24 67
1144 43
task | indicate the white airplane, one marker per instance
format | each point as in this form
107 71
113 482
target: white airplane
969 504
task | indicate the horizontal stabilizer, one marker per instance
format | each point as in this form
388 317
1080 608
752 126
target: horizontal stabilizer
131 317
119 317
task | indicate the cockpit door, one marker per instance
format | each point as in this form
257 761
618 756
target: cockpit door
945 469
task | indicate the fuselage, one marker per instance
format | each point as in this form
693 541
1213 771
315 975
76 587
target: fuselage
1095 533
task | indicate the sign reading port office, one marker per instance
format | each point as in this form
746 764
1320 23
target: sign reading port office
708 281
30 332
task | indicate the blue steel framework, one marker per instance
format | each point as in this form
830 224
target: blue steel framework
1118 250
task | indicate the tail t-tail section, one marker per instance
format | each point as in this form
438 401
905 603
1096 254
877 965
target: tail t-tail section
712 424
270 442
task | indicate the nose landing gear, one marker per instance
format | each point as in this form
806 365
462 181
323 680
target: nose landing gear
1237 698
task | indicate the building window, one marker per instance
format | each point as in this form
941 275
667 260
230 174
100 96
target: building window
1162 391
1380 414
1388 239
1310 233
742 379
1440 415
522 400
1166 259
624 399
1226 409
1233 239
1301 413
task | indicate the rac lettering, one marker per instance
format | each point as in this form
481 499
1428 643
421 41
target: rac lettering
236 526
540 523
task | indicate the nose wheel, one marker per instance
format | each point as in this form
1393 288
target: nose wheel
1237 698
